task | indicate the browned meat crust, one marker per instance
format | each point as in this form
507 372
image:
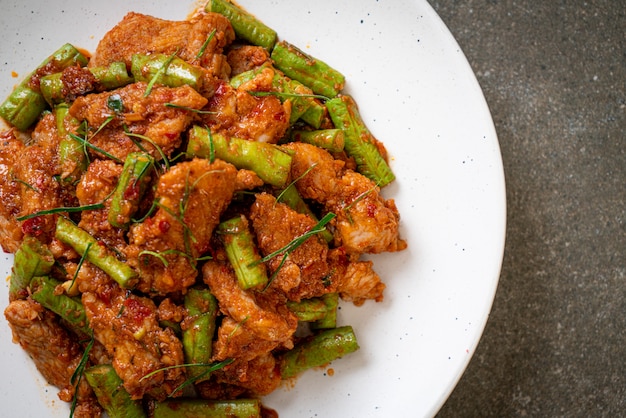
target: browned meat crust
203 191
53 349
139 33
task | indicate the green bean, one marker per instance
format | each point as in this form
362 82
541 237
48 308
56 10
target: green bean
313 73
200 408
115 75
109 390
69 308
242 252
331 300
359 142
164 69
112 77
308 310
72 157
331 140
132 185
96 253
268 161
245 25
198 329
32 259
24 105
318 351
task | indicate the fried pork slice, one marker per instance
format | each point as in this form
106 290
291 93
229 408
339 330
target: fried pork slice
54 351
235 340
95 186
137 33
259 376
246 57
127 326
161 116
10 192
28 183
192 195
238 113
366 222
276 225
265 315
354 280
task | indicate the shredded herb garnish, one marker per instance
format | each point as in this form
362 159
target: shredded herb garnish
211 146
159 73
78 373
286 95
114 102
151 142
211 368
190 109
293 183
86 143
70 209
30 186
80 264
205 44
293 244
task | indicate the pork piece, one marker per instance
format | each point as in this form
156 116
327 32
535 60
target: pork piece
95 186
354 280
127 326
246 57
142 116
53 349
265 315
276 225
235 340
192 195
365 222
238 113
29 171
138 33
259 376
10 192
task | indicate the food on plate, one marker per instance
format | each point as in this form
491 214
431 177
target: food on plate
186 207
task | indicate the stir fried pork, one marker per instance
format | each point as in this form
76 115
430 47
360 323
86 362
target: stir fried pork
246 57
172 228
10 192
95 186
160 116
128 328
366 222
54 351
267 318
28 184
354 280
238 113
276 225
139 33
192 195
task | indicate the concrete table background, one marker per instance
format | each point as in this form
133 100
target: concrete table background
554 76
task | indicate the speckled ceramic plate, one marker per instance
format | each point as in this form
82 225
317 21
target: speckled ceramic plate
419 96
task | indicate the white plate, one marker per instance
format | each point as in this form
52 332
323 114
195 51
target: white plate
418 95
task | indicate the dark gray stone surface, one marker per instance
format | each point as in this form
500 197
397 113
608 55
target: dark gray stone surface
554 75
